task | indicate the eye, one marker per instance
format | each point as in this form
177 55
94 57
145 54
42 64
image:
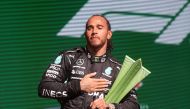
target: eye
100 27
89 27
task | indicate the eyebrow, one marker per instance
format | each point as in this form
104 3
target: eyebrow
100 25
89 26
96 25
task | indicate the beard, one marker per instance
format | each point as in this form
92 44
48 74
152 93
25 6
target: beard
96 43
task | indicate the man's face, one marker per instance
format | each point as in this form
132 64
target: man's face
97 32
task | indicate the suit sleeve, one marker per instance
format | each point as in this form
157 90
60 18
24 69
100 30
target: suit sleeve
129 101
55 84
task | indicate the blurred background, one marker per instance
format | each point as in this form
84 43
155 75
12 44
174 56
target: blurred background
32 32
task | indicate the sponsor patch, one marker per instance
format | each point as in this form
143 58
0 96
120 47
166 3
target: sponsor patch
108 70
80 62
77 72
58 60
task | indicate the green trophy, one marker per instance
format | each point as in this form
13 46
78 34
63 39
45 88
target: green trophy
131 73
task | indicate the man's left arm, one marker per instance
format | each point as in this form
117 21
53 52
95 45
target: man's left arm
128 102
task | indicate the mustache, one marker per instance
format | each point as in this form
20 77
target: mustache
93 34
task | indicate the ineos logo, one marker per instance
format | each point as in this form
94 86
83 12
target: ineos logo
80 62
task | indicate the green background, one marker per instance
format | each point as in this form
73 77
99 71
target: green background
28 43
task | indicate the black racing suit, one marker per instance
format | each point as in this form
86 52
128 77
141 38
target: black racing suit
61 81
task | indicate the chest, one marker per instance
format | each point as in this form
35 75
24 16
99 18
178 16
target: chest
83 67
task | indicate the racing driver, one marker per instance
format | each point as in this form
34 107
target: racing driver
81 77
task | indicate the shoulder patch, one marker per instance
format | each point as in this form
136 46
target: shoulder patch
58 59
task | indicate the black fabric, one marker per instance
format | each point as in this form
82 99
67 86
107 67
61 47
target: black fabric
61 80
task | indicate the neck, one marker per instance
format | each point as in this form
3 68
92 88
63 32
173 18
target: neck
97 51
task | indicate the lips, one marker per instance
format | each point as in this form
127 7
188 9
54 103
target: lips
94 37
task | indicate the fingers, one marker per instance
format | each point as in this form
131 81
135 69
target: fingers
98 103
94 104
100 80
89 84
101 85
90 75
97 88
96 80
100 89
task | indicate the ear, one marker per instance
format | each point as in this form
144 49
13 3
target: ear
109 35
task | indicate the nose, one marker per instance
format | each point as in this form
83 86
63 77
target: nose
94 31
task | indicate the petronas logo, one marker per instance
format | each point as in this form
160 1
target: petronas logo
108 70
169 19
58 60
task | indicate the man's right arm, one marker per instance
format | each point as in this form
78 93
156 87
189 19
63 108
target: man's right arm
54 81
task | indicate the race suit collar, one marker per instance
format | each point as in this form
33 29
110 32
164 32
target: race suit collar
96 59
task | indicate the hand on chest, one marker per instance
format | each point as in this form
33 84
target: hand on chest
85 66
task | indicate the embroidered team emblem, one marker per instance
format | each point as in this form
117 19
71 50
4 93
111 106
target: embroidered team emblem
58 60
108 70
80 62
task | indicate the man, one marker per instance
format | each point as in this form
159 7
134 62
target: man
80 78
